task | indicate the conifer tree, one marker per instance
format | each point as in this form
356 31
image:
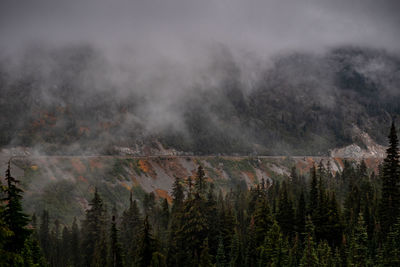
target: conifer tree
44 234
200 183
251 258
213 220
165 214
75 244
220 260
390 202
178 197
301 215
391 248
262 220
130 225
310 257
147 245
66 253
94 233
15 219
324 254
285 212
236 254
205 257
313 191
274 251
193 228
359 244
116 251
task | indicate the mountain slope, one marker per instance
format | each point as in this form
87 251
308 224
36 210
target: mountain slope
73 100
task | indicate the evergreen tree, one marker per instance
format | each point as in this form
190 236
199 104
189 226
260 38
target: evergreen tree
324 254
116 251
359 244
213 221
14 218
236 253
391 248
390 202
285 213
44 234
165 214
310 257
131 225
75 245
194 228
301 214
94 245
205 257
220 260
200 183
178 194
251 257
66 250
313 191
262 220
275 250
147 245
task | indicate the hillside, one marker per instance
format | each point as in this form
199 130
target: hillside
64 184
74 100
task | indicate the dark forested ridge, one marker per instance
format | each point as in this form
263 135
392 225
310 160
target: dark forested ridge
350 218
71 100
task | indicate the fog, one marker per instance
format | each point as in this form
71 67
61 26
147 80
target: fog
164 53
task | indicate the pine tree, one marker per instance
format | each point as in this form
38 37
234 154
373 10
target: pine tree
173 249
227 227
66 253
359 244
130 226
193 228
94 243
14 218
200 183
301 215
116 251
251 257
313 191
147 245
55 253
310 257
178 195
236 253
262 220
205 257
324 254
390 202
274 251
213 221
220 260
391 248
44 234
164 214
75 245
285 212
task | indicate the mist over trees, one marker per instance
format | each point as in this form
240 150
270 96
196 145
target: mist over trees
346 219
75 99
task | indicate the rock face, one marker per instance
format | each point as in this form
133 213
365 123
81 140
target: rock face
64 184
370 148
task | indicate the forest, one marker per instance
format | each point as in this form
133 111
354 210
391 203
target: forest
348 218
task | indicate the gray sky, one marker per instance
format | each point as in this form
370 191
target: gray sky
179 28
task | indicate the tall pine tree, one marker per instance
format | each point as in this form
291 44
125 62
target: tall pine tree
390 202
